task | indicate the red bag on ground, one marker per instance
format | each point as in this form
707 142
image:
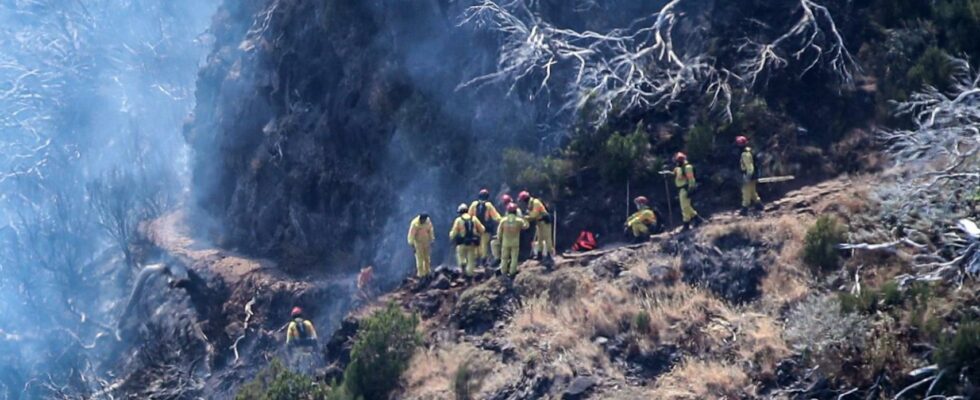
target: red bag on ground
585 242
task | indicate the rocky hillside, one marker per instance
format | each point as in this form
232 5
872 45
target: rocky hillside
321 127
734 310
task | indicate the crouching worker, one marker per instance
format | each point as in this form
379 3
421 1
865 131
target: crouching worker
301 343
643 222
300 331
509 234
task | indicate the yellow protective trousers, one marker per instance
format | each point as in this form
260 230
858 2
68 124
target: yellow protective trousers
750 195
640 229
687 209
544 242
466 258
423 260
484 248
508 258
495 248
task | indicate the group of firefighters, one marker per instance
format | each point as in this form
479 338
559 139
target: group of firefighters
482 236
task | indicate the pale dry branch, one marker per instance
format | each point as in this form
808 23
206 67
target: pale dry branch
812 41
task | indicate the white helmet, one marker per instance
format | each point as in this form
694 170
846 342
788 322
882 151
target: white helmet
462 208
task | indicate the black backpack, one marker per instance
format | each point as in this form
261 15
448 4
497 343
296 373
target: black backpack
469 236
301 328
481 213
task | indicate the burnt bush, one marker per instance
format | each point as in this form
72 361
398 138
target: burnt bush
734 275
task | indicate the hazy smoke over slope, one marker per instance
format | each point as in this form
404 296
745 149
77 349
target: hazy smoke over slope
92 99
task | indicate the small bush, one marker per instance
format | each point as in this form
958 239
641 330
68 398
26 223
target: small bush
700 142
820 244
823 335
891 295
385 344
641 322
865 302
933 68
463 382
540 174
276 382
626 156
961 352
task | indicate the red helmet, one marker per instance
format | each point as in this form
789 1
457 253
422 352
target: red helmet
742 141
512 208
484 194
680 157
296 312
642 200
524 196
506 199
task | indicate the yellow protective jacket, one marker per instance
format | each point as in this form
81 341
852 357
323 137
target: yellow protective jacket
419 233
535 210
459 228
292 331
644 216
489 214
509 230
684 176
747 163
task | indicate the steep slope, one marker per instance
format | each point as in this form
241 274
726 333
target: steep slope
688 316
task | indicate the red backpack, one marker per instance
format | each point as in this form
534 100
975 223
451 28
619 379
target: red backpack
585 242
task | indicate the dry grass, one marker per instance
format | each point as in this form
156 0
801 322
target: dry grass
696 379
431 373
760 345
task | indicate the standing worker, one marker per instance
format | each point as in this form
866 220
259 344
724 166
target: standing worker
487 214
509 235
466 233
750 177
538 215
505 201
420 237
643 221
686 184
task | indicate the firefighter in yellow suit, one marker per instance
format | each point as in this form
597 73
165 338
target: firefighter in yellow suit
505 201
538 214
466 233
509 235
686 184
750 194
300 331
641 222
484 211
420 237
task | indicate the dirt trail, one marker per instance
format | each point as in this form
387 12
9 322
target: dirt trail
172 234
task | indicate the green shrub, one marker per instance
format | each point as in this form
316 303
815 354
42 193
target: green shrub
820 244
891 295
385 343
865 302
528 171
463 382
276 382
700 142
626 156
960 353
933 68
641 322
